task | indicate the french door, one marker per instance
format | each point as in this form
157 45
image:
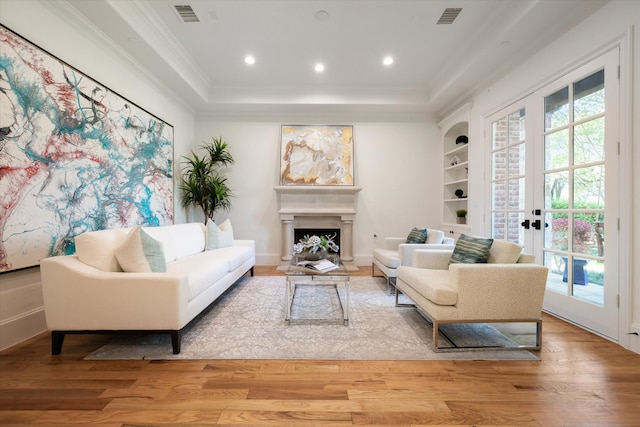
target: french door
553 189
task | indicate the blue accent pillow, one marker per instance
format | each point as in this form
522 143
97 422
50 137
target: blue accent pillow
471 250
417 235
219 236
141 253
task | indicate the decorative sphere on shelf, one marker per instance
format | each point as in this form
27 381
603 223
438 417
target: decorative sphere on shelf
459 193
462 139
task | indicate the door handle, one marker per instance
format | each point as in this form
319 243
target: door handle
537 224
525 224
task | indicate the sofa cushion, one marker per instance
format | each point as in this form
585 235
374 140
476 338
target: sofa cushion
141 253
431 284
471 250
202 270
97 248
417 235
219 236
504 252
387 257
236 255
435 236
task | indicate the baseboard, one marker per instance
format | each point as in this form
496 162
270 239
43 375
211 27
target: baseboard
21 328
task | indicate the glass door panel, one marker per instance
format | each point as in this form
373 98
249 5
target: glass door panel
508 177
579 149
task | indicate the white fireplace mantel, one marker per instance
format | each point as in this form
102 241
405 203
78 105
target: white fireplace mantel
317 206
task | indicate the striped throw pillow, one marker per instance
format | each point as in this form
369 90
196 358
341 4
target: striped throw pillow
417 235
471 250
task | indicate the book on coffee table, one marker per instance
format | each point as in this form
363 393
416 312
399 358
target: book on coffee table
322 265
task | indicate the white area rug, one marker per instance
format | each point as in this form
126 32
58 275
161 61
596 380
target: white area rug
247 322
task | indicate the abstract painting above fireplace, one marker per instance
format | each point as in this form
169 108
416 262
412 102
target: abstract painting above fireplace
316 155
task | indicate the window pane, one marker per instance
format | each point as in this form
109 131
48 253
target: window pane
556 190
583 237
499 195
556 109
515 232
499 133
516 194
516 160
589 96
556 266
499 165
588 187
559 232
556 150
516 127
588 145
499 225
593 276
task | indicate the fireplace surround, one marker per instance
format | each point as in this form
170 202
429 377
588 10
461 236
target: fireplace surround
317 207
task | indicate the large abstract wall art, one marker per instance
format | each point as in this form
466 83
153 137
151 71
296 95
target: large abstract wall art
316 155
74 157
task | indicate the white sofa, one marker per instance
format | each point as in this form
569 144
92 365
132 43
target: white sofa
508 288
397 252
88 292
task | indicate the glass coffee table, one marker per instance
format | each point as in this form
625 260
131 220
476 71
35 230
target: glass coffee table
299 275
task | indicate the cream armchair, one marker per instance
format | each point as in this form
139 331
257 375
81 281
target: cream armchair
397 252
508 288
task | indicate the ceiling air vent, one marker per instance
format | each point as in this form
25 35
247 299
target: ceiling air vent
186 13
449 15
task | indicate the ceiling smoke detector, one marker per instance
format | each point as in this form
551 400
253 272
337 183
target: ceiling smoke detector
186 13
449 15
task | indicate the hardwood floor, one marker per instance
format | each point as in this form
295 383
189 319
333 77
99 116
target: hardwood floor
580 380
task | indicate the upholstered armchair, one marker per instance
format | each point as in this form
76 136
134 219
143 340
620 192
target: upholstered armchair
396 252
509 287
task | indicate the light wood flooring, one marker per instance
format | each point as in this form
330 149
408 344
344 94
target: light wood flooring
580 380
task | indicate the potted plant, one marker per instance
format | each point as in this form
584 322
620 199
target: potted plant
203 184
462 216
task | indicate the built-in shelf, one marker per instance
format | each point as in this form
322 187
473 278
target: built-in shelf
458 166
460 181
455 164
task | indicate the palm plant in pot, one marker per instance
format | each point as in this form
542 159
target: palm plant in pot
203 184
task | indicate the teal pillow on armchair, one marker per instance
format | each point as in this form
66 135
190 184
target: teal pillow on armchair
417 235
471 250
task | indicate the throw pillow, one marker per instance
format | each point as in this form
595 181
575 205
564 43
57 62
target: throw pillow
417 235
141 253
219 236
471 250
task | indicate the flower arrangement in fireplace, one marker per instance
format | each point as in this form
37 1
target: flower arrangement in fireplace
315 243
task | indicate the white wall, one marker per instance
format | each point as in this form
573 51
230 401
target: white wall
55 29
396 163
577 45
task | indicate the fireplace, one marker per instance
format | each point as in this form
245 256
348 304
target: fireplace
319 208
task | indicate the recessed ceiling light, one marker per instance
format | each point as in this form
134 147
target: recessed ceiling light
388 60
322 15
319 67
249 60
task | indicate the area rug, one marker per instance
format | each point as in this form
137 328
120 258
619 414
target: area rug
247 322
